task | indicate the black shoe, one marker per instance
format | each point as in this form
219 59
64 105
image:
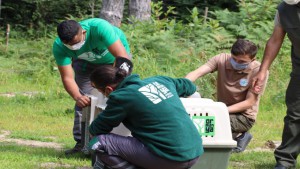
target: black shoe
100 165
242 142
76 149
279 166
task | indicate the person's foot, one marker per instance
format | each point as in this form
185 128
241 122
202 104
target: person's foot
100 165
279 166
77 148
242 142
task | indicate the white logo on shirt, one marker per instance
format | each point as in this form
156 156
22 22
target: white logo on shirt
88 56
91 56
156 92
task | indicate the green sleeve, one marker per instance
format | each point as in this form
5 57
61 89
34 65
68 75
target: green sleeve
60 55
107 33
111 117
184 87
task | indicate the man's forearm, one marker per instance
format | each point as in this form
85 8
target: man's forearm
72 88
269 56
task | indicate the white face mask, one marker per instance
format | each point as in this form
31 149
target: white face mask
291 2
76 46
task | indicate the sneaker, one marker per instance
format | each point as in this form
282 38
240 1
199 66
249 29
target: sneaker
278 166
100 165
77 148
242 142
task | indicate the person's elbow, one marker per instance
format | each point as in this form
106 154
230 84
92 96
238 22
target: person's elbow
251 102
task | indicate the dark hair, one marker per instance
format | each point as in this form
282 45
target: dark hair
106 75
67 30
244 47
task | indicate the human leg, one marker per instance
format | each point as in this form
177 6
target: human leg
83 82
286 154
122 152
240 125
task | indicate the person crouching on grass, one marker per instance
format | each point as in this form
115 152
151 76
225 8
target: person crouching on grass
163 135
235 72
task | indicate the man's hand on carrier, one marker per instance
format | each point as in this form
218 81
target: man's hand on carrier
83 101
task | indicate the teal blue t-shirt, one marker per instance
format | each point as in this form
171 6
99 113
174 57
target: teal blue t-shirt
99 36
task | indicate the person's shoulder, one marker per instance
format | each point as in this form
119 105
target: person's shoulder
93 21
85 24
159 77
57 41
57 44
222 57
254 66
282 5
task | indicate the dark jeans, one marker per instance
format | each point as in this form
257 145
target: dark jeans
122 152
286 154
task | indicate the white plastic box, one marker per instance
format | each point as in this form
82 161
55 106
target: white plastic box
98 104
211 119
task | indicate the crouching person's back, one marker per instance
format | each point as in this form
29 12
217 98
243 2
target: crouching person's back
163 135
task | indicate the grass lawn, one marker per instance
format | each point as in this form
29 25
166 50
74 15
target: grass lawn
47 117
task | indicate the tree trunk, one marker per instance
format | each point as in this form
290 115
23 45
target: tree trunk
140 9
0 9
112 11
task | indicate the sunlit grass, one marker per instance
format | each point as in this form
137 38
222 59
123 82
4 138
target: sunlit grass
47 115
24 157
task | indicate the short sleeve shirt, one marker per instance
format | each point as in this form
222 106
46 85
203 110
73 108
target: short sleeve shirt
99 36
232 85
277 20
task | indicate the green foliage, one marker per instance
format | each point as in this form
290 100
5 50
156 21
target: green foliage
182 7
253 21
41 15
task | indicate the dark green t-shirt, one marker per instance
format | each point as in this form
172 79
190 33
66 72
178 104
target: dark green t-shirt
99 36
151 109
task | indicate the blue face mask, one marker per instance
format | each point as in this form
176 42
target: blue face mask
238 66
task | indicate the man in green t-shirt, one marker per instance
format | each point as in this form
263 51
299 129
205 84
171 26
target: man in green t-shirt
79 49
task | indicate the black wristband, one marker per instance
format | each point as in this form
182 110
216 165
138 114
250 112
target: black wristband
124 63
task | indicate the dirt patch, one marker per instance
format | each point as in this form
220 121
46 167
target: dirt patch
33 143
60 165
259 149
54 165
28 94
269 146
